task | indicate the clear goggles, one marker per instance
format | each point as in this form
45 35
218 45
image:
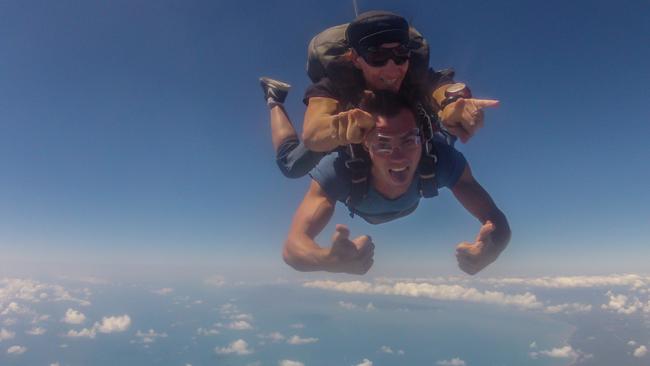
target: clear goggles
383 144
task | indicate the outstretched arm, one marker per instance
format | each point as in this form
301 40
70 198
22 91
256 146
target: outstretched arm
495 232
304 254
325 129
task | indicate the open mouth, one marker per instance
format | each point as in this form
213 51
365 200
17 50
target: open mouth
399 175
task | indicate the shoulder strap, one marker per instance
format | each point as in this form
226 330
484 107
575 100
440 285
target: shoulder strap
427 168
359 168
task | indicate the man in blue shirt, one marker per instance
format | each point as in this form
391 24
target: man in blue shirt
394 147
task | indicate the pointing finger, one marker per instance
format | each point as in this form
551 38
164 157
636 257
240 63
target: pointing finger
485 103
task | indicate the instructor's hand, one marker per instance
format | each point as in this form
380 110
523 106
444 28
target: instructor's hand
351 127
350 256
465 116
473 257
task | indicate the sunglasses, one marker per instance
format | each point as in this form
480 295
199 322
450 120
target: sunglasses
385 144
379 56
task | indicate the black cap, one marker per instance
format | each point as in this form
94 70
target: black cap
374 28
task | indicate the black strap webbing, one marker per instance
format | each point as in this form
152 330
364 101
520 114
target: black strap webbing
427 167
359 169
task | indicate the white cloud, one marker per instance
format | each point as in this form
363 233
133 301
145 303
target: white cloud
290 363
641 351
74 317
6 334
84 333
16 350
207 332
238 347
149 336
296 340
347 305
15 308
436 292
619 304
568 308
54 364
533 344
562 282
365 362
228 309
163 291
240 325
386 349
15 289
370 307
36 331
10 321
297 326
215 280
274 337
453 362
631 343
246 317
40 318
113 324
561 352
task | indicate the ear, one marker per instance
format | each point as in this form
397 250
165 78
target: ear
354 58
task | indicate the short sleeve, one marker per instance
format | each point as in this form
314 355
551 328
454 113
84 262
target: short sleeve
324 88
333 177
450 166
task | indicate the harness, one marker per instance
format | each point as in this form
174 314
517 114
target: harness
358 162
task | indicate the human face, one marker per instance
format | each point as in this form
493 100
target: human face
386 77
393 168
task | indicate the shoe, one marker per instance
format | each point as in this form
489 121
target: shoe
274 91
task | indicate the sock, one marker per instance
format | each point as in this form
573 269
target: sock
272 103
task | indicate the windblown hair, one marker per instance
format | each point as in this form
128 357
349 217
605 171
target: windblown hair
386 103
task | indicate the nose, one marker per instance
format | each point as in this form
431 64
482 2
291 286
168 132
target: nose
391 65
397 154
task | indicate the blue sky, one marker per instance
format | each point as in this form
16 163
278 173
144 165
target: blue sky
135 133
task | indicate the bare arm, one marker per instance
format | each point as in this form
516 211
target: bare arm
325 128
303 254
495 232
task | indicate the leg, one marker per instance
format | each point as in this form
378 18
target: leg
293 158
275 92
281 127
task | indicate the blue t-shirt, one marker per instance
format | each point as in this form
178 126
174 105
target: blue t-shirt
334 178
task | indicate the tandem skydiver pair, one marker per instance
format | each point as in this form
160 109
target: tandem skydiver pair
378 134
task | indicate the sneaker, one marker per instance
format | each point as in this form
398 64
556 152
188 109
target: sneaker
274 91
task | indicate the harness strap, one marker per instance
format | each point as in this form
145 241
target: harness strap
428 186
359 169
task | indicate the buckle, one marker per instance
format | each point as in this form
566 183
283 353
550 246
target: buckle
350 163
